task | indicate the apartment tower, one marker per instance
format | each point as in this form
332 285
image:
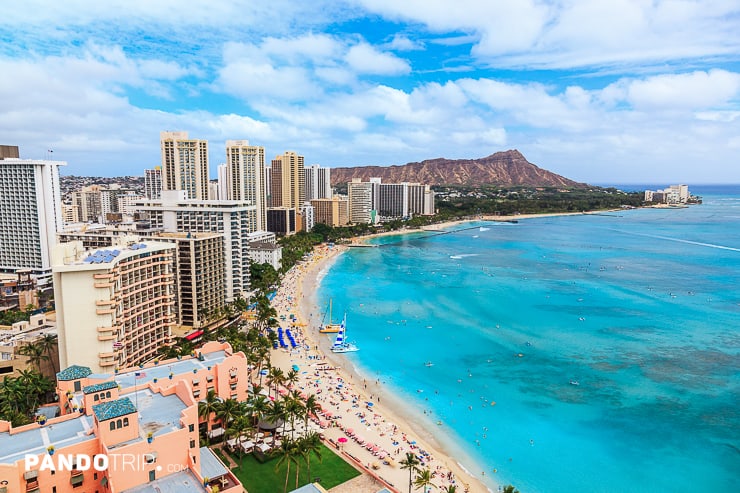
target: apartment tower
288 181
246 176
318 182
30 212
184 164
153 183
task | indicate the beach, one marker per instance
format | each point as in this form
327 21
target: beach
360 418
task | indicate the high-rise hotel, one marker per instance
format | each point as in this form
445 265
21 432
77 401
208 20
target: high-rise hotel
114 306
184 164
246 177
30 212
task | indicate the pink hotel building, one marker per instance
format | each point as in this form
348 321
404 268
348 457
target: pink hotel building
144 420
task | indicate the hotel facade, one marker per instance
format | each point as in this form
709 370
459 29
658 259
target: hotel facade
115 306
30 213
143 421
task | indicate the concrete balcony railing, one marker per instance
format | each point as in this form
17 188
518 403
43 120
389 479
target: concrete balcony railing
102 337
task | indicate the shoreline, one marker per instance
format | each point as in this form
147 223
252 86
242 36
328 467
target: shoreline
410 433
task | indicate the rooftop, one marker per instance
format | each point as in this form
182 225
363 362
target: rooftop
114 409
129 379
210 466
158 414
90 389
15 447
74 372
174 483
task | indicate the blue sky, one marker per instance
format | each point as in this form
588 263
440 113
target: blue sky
603 91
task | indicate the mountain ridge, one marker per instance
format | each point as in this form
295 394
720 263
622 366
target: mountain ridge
505 168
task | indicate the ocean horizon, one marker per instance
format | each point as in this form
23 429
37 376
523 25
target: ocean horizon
593 352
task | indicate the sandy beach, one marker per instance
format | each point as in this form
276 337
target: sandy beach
361 419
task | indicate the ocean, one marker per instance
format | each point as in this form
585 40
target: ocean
573 353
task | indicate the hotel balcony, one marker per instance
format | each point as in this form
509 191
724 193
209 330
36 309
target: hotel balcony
104 302
109 337
113 328
108 275
103 284
106 311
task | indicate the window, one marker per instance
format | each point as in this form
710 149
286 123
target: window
191 427
96 398
192 443
112 425
107 395
125 421
119 424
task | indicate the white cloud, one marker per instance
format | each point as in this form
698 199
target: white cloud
401 42
365 59
247 80
696 90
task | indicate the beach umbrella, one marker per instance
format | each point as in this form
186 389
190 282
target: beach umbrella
342 440
370 404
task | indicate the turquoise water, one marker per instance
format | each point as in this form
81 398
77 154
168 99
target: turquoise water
641 308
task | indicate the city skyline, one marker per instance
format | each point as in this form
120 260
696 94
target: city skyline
602 92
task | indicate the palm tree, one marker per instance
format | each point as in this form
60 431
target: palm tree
257 406
424 480
310 407
308 445
411 463
228 411
293 409
206 407
49 344
241 425
275 414
35 354
291 378
510 489
288 455
450 489
276 377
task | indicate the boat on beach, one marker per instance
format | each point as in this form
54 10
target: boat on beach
341 345
330 328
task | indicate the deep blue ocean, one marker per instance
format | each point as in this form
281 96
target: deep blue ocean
639 308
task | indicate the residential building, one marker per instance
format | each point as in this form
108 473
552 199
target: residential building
281 220
307 217
234 219
200 276
89 203
184 164
332 212
70 213
288 177
318 182
361 202
144 420
30 214
264 252
114 306
246 176
14 338
393 201
224 184
674 194
153 183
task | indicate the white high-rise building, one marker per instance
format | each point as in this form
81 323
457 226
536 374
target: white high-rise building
224 182
153 183
246 176
318 182
184 164
30 214
361 202
235 220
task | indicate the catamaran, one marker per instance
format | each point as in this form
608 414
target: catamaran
341 345
329 328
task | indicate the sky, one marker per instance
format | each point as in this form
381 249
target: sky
600 91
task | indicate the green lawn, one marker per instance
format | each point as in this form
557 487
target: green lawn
263 478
